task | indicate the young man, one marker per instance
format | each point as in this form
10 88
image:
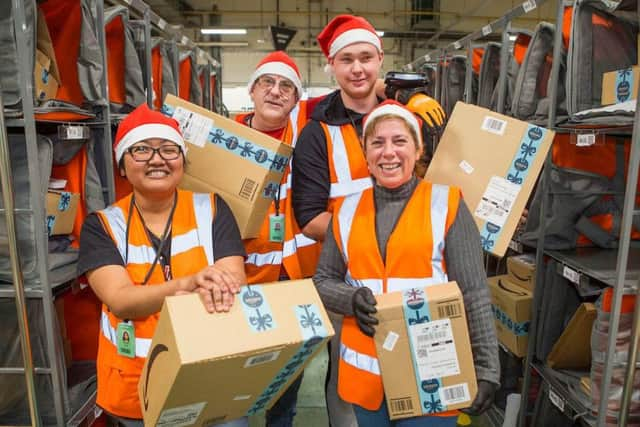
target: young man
275 90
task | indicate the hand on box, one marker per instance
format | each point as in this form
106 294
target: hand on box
484 398
364 305
216 287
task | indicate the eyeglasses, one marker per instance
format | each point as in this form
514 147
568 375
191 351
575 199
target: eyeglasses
267 83
144 153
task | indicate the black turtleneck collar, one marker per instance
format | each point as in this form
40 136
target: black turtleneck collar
402 192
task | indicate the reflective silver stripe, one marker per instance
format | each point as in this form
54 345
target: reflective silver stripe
142 254
345 219
204 220
302 241
293 117
269 258
118 225
299 241
339 155
142 344
439 209
359 360
374 284
346 188
402 283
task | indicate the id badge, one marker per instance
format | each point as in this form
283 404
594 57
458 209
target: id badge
126 337
276 228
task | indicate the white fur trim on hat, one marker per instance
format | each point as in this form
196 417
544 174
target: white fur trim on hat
357 35
278 68
151 130
395 110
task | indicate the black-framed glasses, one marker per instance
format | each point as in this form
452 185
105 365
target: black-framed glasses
285 86
144 153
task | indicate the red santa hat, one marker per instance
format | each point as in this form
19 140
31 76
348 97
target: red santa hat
394 108
145 123
344 30
278 63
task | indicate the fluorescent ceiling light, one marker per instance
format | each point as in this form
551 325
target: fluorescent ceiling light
225 31
380 33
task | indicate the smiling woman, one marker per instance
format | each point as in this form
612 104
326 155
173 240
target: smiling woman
156 242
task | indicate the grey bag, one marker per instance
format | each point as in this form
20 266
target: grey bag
169 85
601 40
25 224
489 74
454 81
195 88
9 61
513 67
531 89
133 81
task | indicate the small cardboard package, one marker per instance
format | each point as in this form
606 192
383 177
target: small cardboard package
573 348
240 164
496 161
424 351
522 270
206 368
620 85
45 71
61 211
512 309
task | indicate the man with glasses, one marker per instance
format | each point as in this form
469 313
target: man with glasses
275 89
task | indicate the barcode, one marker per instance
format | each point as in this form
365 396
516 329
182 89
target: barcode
586 140
434 336
248 189
493 125
455 394
449 310
401 406
262 358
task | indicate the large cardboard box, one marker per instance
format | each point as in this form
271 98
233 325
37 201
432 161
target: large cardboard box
424 351
522 270
207 368
620 85
573 348
495 160
61 211
242 165
512 310
46 77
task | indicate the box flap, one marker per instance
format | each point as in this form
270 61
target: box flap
573 348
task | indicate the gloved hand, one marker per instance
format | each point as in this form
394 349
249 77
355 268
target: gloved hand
364 305
427 108
484 398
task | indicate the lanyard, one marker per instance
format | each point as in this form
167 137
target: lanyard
163 240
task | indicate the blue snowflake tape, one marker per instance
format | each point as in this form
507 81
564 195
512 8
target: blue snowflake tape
313 332
241 147
65 201
256 309
416 310
624 85
519 329
517 173
51 222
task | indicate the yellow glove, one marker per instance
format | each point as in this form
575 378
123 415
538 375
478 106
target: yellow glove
428 109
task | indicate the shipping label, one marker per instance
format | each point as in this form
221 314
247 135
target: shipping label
497 201
434 349
195 127
181 416
455 394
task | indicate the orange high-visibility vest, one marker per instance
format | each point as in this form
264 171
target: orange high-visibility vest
348 169
414 258
298 253
191 251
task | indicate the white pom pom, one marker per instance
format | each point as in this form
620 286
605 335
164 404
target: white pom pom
328 70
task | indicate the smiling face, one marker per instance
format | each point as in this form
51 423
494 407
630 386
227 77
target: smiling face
356 69
391 150
156 175
273 97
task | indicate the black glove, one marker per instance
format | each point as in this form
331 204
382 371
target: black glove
364 304
484 398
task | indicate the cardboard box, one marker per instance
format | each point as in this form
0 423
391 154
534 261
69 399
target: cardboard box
512 309
573 348
620 85
240 164
207 368
495 160
424 351
522 270
61 211
46 77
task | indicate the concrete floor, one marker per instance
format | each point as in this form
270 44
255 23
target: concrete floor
311 403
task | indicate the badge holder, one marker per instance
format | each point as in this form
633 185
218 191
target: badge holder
276 222
126 337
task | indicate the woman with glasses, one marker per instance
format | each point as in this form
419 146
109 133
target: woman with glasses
156 242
